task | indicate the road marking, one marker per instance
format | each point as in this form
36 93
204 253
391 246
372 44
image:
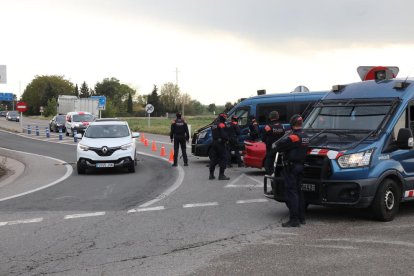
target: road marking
351 240
331 246
156 208
23 221
200 204
69 171
84 215
251 200
233 184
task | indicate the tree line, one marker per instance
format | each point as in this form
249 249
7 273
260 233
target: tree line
121 99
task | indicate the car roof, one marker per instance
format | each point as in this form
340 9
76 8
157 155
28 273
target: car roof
102 123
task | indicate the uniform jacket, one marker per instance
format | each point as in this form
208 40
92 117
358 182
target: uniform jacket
179 129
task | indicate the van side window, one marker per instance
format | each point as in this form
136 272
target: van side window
412 116
264 110
401 124
243 115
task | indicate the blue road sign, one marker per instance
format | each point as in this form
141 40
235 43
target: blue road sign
6 97
101 101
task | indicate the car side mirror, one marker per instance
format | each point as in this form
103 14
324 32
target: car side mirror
405 138
135 134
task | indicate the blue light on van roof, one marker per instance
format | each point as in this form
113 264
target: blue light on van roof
338 87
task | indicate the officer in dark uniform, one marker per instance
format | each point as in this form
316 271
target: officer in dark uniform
294 146
179 134
272 132
219 152
234 133
253 128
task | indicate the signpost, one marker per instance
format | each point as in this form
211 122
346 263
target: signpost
101 103
149 108
21 107
3 74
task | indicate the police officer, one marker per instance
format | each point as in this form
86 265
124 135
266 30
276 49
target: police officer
234 133
179 134
219 152
253 128
272 132
294 146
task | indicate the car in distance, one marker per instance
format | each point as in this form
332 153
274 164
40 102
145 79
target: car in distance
13 116
3 113
57 122
77 120
107 144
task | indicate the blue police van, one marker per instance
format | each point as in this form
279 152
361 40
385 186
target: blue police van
361 147
259 106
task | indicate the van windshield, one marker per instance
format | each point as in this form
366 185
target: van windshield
349 117
83 118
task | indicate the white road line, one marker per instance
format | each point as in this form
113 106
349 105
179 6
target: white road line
69 171
84 215
231 184
257 181
200 204
23 221
251 200
331 246
156 208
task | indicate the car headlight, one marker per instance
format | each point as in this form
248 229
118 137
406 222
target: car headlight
83 147
126 146
202 134
355 160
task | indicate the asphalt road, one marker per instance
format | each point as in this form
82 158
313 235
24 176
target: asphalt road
200 228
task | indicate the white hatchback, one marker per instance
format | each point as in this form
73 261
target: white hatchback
107 144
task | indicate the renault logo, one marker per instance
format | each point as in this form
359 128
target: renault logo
104 149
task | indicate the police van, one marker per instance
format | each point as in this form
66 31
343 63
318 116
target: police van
259 106
361 145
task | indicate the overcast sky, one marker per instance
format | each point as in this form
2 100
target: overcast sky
224 50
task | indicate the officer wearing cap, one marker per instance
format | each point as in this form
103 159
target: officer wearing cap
253 128
234 133
294 146
218 148
272 132
179 134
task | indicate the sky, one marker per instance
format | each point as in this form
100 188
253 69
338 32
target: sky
223 50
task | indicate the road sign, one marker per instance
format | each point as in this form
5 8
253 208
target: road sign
21 106
3 74
149 108
6 96
101 101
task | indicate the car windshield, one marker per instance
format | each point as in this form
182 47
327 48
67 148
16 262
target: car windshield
107 131
61 119
13 113
349 117
83 118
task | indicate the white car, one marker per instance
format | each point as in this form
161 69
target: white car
107 144
77 121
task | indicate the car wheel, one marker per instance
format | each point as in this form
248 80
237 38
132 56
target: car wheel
67 133
131 167
80 169
387 200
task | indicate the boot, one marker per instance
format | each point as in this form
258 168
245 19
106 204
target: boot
291 223
211 177
222 176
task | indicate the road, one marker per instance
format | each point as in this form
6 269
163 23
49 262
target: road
173 221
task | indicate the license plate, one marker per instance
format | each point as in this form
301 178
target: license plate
308 187
105 165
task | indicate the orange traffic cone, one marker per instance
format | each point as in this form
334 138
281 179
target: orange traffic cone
162 151
142 138
171 159
146 142
154 147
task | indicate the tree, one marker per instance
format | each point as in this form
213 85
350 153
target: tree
50 108
43 88
84 91
76 90
170 97
130 104
154 99
211 107
227 107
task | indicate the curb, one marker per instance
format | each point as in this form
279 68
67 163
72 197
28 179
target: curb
14 170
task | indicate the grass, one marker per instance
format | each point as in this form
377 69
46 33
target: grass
163 125
3 168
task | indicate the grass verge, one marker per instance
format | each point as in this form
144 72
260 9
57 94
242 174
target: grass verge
3 169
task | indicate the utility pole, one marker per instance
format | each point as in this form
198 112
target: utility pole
176 86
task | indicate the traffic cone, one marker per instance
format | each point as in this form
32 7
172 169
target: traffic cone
146 142
153 147
162 151
171 159
142 138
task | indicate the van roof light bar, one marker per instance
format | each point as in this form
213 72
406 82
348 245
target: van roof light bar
401 85
338 88
377 73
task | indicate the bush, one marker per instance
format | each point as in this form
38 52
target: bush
3 168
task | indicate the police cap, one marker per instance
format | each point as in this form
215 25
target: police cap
296 120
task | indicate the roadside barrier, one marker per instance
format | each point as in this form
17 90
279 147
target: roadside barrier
154 147
60 134
162 151
47 132
29 129
75 139
37 131
171 159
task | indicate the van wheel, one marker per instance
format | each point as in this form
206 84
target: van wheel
387 200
